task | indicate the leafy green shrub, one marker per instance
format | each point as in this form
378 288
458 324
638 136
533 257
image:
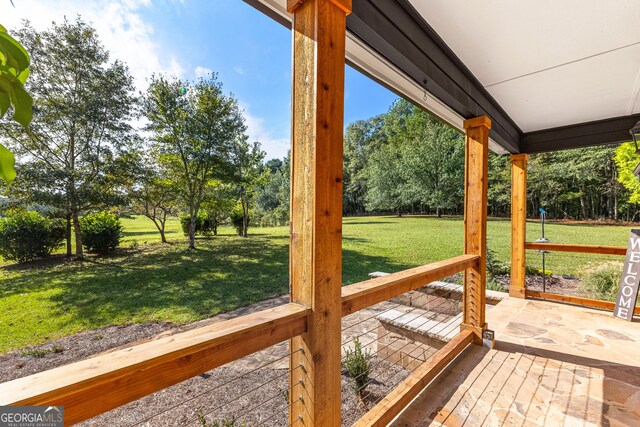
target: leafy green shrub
601 280
358 365
205 224
237 218
26 236
494 285
494 266
101 232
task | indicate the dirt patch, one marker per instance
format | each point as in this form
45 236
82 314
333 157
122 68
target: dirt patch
554 284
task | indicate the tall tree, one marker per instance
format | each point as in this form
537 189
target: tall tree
248 174
194 128
82 110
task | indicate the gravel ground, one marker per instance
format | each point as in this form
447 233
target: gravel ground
252 389
253 398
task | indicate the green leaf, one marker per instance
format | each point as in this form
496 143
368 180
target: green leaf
22 105
5 102
15 51
24 74
7 163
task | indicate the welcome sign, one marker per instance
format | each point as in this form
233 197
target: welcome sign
628 288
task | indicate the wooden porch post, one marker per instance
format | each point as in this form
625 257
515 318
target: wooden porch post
475 222
319 31
518 223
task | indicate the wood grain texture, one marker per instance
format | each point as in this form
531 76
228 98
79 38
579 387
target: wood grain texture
475 220
364 294
389 407
345 5
585 302
99 384
518 224
319 37
583 249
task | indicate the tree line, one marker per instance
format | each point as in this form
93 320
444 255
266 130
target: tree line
190 155
81 151
406 161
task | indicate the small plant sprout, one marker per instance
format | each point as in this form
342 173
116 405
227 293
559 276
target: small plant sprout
358 365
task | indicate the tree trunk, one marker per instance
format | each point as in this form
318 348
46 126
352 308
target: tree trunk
399 213
78 233
68 235
215 227
192 232
438 213
583 206
245 219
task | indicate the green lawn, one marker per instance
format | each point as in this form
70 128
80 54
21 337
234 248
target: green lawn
147 281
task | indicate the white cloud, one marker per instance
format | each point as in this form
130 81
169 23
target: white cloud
274 147
120 26
202 71
239 70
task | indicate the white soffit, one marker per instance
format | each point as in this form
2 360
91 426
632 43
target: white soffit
376 67
548 63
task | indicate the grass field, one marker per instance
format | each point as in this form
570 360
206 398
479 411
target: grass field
147 281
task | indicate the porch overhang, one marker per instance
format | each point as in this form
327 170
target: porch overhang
541 71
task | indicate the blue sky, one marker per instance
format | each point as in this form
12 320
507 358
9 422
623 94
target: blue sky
250 52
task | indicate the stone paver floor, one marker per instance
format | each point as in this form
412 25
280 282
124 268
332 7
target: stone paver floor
553 365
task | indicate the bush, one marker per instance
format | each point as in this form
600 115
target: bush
26 236
237 219
601 280
494 266
205 224
101 232
358 365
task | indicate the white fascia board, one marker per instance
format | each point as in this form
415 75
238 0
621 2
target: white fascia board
379 69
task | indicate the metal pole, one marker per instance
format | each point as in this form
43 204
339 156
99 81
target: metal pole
543 215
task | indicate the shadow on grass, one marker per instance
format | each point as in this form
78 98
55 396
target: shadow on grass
167 282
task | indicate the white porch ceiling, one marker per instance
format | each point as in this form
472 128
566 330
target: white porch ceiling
548 63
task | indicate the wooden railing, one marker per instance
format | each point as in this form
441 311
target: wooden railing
98 384
584 249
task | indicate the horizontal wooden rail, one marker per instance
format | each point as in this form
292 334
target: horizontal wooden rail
364 294
585 302
583 249
99 384
396 401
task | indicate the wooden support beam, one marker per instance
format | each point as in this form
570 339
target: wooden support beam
365 294
583 249
393 403
98 384
319 37
584 302
475 222
518 224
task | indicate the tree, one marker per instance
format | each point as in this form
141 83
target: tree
194 128
154 196
272 198
627 160
361 139
82 106
248 174
14 70
434 156
387 187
